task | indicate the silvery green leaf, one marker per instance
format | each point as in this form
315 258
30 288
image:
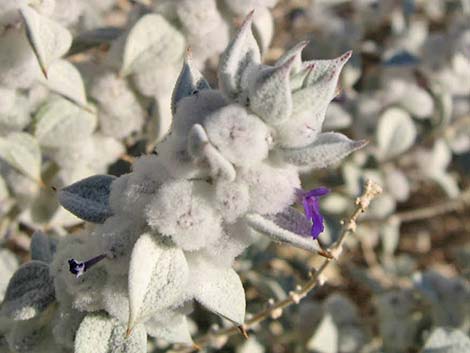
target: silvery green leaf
296 53
64 79
390 234
418 102
22 152
157 276
447 340
169 326
99 333
327 149
251 345
61 123
397 184
48 38
31 336
217 288
324 74
241 53
42 247
30 291
8 265
270 95
289 227
88 199
151 39
190 81
325 339
65 324
396 132
200 148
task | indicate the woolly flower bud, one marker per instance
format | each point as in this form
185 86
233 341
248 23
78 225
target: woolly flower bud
130 193
232 200
173 153
272 188
120 113
179 210
241 137
195 108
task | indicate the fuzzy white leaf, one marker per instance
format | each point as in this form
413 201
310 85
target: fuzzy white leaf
61 123
48 38
270 93
151 39
200 148
8 265
169 326
101 334
327 149
22 152
157 276
325 339
396 132
30 291
295 53
263 28
88 199
241 53
41 247
217 288
190 81
289 227
64 79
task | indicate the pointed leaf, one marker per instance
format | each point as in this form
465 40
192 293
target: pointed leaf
270 93
30 291
396 132
217 288
42 248
157 276
99 333
64 79
241 53
48 38
169 326
189 82
296 53
152 39
200 147
327 149
88 199
293 222
22 152
61 123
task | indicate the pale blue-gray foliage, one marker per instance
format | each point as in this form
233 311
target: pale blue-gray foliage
88 198
30 291
42 247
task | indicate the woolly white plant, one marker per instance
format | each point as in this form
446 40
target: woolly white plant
167 234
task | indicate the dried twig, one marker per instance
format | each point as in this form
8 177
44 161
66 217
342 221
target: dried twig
275 309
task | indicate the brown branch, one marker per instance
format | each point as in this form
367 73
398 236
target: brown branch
275 309
457 204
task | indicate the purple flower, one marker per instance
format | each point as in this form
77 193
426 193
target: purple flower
78 268
309 200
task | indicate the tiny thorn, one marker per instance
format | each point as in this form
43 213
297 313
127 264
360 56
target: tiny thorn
242 330
44 71
325 253
128 332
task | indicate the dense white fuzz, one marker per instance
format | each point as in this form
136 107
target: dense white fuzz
182 213
173 153
232 199
241 137
272 188
193 109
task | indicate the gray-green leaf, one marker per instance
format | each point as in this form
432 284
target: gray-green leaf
88 199
42 248
30 291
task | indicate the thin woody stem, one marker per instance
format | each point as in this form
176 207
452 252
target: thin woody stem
349 227
457 204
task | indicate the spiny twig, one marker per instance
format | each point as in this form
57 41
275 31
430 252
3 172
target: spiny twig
275 308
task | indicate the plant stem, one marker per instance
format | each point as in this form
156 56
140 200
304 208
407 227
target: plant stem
275 310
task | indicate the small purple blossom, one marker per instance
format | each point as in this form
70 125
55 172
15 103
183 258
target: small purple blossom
309 200
78 268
